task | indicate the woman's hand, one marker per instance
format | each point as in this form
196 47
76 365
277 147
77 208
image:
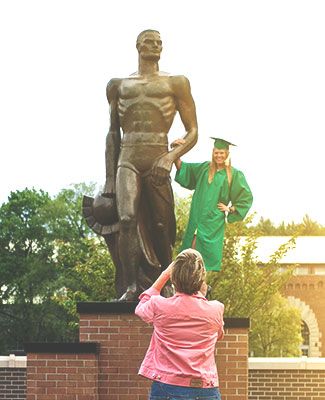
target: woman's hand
177 142
168 270
222 207
163 277
204 289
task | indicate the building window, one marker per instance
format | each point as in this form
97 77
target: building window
320 270
305 339
302 270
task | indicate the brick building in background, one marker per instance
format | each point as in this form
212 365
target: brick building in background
306 289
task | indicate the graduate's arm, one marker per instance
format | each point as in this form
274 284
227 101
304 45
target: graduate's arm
241 198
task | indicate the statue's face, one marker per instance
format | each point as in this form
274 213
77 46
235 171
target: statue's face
150 46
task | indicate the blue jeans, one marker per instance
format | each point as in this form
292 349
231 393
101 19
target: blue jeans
163 391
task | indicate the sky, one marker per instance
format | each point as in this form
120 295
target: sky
257 74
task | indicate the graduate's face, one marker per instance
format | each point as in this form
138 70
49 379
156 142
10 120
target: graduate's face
219 156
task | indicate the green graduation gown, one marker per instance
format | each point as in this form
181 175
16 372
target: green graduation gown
205 217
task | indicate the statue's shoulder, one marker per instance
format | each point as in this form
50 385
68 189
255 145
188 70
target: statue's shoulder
112 88
177 79
180 81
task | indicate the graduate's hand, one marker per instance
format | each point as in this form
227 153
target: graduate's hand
222 207
177 142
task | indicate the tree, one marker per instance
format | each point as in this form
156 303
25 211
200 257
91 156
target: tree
265 227
276 330
86 268
307 227
182 207
310 227
87 275
49 260
28 272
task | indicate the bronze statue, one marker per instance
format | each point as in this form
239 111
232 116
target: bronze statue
135 212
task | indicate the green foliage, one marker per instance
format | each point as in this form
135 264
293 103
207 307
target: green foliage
307 227
276 330
49 260
26 263
88 274
28 273
244 285
182 207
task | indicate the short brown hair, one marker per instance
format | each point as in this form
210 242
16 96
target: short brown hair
188 272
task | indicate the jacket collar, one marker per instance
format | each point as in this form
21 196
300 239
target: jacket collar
198 295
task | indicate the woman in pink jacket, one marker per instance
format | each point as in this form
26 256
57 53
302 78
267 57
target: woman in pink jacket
181 356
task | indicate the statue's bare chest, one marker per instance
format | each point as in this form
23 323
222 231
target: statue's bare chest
145 89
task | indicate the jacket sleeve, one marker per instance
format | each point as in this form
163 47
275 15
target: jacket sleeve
240 196
219 310
220 320
187 175
146 307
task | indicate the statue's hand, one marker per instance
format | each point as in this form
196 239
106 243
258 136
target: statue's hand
109 189
159 175
161 170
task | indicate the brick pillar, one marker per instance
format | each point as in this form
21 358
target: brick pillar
13 376
232 360
62 371
124 340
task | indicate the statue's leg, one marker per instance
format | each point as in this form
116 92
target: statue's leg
128 186
161 203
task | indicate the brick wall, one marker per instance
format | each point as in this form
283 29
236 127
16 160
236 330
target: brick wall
269 379
287 379
60 371
12 383
124 339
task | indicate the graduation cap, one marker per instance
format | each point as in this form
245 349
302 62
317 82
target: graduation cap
221 143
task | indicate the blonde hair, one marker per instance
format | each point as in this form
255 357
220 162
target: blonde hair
188 273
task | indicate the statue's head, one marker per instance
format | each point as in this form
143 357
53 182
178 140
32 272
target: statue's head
149 45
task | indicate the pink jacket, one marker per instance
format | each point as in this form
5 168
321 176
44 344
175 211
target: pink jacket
182 347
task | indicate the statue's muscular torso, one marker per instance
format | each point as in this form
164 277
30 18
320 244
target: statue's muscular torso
146 108
146 104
